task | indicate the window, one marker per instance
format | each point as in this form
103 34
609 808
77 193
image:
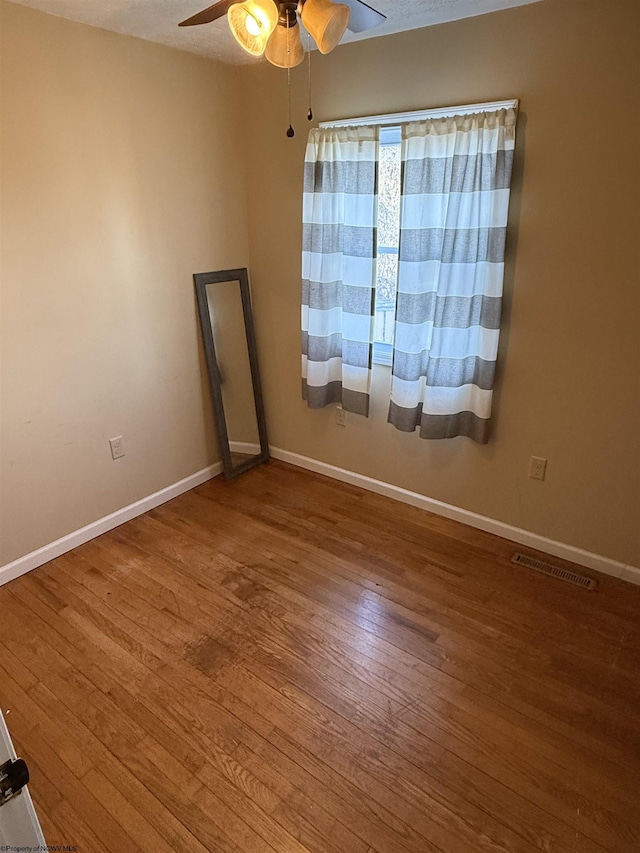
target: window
389 171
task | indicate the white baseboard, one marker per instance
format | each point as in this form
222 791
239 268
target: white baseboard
102 525
472 519
631 574
515 534
247 447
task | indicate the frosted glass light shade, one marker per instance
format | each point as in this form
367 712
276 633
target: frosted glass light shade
251 23
326 22
276 51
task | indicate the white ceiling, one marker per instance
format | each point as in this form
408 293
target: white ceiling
157 20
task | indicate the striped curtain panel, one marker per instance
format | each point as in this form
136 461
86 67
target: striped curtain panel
455 197
338 266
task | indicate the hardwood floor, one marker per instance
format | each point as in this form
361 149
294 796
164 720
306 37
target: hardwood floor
286 663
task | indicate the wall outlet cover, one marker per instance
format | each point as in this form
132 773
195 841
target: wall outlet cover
537 468
117 447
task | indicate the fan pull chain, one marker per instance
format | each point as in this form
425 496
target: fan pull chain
310 113
290 131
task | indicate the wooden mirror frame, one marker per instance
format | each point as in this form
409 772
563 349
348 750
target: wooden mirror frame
201 281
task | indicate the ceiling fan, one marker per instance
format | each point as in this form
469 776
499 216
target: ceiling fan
271 28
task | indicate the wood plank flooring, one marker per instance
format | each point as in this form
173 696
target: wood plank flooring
287 664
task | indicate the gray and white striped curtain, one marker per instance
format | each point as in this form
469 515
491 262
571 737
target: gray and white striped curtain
455 196
338 266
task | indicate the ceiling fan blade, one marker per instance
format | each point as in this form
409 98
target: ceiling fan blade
362 17
208 15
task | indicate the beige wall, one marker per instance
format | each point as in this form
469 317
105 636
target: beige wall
568 381
121 177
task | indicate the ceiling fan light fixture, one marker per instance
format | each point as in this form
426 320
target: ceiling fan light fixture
252 24
285 48
325 21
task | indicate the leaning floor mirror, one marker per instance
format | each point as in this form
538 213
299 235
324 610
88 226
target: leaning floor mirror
226 321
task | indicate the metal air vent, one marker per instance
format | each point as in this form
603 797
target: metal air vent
547 569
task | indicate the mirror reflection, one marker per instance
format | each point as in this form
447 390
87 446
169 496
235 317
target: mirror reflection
227 328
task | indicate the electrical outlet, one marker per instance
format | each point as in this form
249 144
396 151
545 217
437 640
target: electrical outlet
341 416
537 468
117 447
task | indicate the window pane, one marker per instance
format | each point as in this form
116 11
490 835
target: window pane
389 196
389 166
388 241
386 297
387 277
384 323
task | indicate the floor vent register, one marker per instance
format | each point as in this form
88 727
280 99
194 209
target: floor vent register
553 571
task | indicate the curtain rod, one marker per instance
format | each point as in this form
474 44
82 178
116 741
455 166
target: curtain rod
417 115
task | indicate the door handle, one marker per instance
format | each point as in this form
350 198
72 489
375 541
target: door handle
14 775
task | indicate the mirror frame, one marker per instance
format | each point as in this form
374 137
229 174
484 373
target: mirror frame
201 281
